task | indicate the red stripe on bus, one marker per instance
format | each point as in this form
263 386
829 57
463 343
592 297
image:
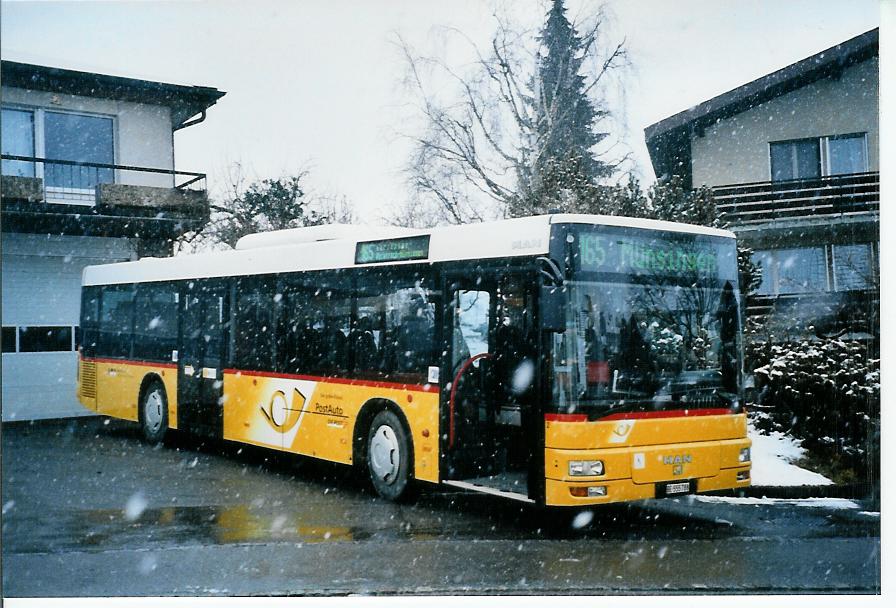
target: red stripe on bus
565 418
667 414
426 388
128 362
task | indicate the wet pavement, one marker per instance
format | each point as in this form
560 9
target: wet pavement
91 509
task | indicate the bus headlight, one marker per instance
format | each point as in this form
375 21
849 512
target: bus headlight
579 468
744 455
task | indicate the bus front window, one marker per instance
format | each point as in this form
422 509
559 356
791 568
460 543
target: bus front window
646 342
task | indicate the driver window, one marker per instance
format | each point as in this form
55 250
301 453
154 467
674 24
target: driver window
470 324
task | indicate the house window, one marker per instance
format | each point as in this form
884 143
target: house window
45 339
818 157
9 339
853 267
846 154
39 339
81 138
791 271
65 136
799 159
17 140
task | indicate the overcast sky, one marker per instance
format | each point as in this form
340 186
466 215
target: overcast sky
316 84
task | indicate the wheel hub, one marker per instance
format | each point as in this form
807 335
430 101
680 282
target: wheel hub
152 411
384 453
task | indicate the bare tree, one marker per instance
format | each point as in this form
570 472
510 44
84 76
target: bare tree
484 149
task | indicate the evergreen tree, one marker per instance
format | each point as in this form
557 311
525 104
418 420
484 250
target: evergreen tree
562 162
565 116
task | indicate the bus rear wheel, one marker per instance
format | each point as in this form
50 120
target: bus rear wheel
389 456
154 412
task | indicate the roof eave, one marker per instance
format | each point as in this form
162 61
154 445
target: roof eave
185 101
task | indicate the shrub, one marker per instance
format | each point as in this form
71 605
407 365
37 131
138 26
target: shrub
826 392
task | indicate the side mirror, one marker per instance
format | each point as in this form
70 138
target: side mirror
552 308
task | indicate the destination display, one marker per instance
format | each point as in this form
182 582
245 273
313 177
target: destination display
646 255
393 250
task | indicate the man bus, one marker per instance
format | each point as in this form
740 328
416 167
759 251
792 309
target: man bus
563 360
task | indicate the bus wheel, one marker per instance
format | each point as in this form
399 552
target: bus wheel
389 456
154 412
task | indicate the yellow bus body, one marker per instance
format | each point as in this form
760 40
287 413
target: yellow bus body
297 414
316 417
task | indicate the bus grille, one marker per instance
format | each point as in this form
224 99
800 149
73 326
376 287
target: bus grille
88 380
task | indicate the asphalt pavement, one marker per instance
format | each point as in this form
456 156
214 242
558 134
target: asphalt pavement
89 509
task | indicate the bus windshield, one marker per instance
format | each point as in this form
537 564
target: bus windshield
652 323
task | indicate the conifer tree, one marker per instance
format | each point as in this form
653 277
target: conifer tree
565 116
563 168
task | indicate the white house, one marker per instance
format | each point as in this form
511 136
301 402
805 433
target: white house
88 177
792 159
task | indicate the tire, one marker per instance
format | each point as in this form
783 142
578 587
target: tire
388 456
154 412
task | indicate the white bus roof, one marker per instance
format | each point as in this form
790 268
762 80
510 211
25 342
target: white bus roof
317 248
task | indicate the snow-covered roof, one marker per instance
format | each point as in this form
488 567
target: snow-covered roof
290 250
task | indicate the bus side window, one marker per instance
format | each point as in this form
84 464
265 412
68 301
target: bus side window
368 331
410 325
90 320
155 322
333 307
298 348
255 330
116 321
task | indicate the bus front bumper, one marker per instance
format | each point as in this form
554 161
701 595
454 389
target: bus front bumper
713 466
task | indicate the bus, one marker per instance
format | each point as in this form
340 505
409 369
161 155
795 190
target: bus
562 360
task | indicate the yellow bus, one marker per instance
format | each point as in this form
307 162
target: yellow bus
561 360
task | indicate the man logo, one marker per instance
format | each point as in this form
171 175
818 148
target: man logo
677 459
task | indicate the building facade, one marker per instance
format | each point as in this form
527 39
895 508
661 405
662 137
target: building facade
793 162
88 177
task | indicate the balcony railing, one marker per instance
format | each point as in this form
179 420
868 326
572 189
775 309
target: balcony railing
55 181
819 198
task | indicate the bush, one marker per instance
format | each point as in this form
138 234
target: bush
825 392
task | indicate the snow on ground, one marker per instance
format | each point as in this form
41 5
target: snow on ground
827 503
773 456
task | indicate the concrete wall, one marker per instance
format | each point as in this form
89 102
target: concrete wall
735 150
143 136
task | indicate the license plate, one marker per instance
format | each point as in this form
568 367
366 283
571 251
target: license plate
678 488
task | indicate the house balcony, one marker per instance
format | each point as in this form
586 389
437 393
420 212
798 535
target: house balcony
46 196
837 198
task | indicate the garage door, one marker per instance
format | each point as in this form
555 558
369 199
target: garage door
41 307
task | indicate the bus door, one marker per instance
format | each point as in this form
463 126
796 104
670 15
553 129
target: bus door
204 320
492 370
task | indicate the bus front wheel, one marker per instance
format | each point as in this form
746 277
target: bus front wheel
154 412
389 456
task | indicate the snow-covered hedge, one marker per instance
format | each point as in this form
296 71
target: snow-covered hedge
825 392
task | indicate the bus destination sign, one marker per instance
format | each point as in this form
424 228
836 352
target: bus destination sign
393 250
647 256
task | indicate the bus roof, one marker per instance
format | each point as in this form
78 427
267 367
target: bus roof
293 250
